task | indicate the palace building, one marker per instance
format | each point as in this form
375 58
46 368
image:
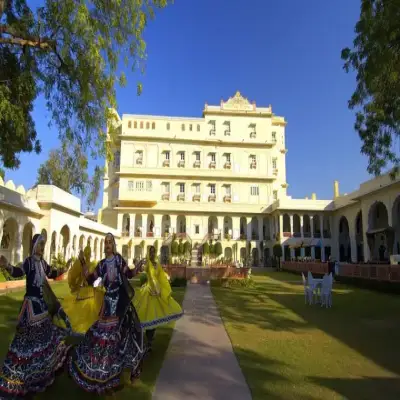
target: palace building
221 177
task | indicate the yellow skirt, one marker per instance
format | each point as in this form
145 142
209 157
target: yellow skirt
83 308
155 310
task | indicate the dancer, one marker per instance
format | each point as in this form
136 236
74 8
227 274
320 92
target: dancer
38 349
84 303
115 340
153 301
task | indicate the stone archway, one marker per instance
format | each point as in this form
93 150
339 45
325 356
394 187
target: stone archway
53 246
9 240
27 236
65 237
359 237
380 235
396 225
344 240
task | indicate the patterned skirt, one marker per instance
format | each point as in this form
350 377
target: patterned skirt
35 354
107 349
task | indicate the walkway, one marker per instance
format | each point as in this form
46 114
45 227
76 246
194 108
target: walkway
200 363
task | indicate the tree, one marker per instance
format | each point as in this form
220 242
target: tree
375 57
174 248
66 168
69 52
218 249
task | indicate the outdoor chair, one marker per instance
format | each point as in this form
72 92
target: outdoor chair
308 291
326 291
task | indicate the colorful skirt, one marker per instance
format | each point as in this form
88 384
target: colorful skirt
83 308
107 349
35 354
155 310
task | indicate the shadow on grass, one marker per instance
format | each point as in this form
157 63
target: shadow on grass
64 387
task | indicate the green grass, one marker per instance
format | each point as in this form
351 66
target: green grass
64 387
288 350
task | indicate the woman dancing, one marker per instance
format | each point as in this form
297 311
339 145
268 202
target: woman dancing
115 340
153 301
84 303
38 349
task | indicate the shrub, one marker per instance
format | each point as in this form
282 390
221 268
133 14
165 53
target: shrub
206 249
218 249
174 248
181 249
179 282
187 248
232 282
142 278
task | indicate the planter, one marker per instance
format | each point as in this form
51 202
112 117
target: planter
61 277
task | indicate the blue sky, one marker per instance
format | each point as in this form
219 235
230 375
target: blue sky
285 53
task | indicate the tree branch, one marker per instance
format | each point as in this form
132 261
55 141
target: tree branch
26 42
22 39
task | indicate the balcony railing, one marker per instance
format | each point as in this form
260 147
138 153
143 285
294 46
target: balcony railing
307 234
197 164
327 234
181 163
317 234
212 164
166 163
212 132
227 198
287 234
254 236
227 132
150 234
227 165
253 165
139 161
296 234
211 197
138 233
253 135
196 197
181 197
125 234
165 196
243 236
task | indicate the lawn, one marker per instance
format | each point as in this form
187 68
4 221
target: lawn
63 387
288 350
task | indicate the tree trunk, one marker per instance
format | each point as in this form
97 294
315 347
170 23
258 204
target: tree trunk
2 7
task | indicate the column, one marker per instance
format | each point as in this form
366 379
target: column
188 225
301 226
221 226
260 229
119 222
173 219
321 225
272 226
157 225
291 225
353 244
144 225
367 254
312 236
235 228
249 231
132 218
283 253
281 226
18 245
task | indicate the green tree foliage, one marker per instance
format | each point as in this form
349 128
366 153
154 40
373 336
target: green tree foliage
67 168
206 249
181 248
174 248
68 51
186 248
218 249
277 250
375 57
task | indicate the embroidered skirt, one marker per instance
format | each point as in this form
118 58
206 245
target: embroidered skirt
35 354
99 360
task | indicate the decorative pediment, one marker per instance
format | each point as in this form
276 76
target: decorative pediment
237 103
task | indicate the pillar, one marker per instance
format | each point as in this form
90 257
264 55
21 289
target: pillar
235 228
173 219
18 246
132 220
291 225
144 225
260 229
301 229
220 220
119 222
281 226
157 225
312 236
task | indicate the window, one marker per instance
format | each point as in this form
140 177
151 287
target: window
254 190
197 229
197 156
141 124
227 190
129 124
212 157
228 128
149 186
166 187
181 188
274 163
183 127
273 137
139 186
167 155
139 157
131 186
212 188
153 125
197 188
275 194
147 125
168 126
198 128
228 157
253 133
135 124
212 130
182 156
190 127
253 159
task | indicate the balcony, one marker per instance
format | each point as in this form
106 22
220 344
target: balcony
150 234
139 161
196 197
307 234
227 132
227 198
212 132
253 135
197 164
138 233
181 164
253 165
327 234
211 198
181 197
317 235
165 196
287 234
254 236
166 163
212 164
227 165
125 234
296 234
243 236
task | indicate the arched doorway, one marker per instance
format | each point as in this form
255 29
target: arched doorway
65 238
95 249
255 257
242 254
254 228
166 225
286 225
379 236
228 227
306 226
81 242
8 240
396 225
181 224
228 254
344 240
359 237
27 239
150 226
213 225
164 255
317 226
243 228
296 226
74 249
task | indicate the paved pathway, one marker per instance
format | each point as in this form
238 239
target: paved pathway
200 363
